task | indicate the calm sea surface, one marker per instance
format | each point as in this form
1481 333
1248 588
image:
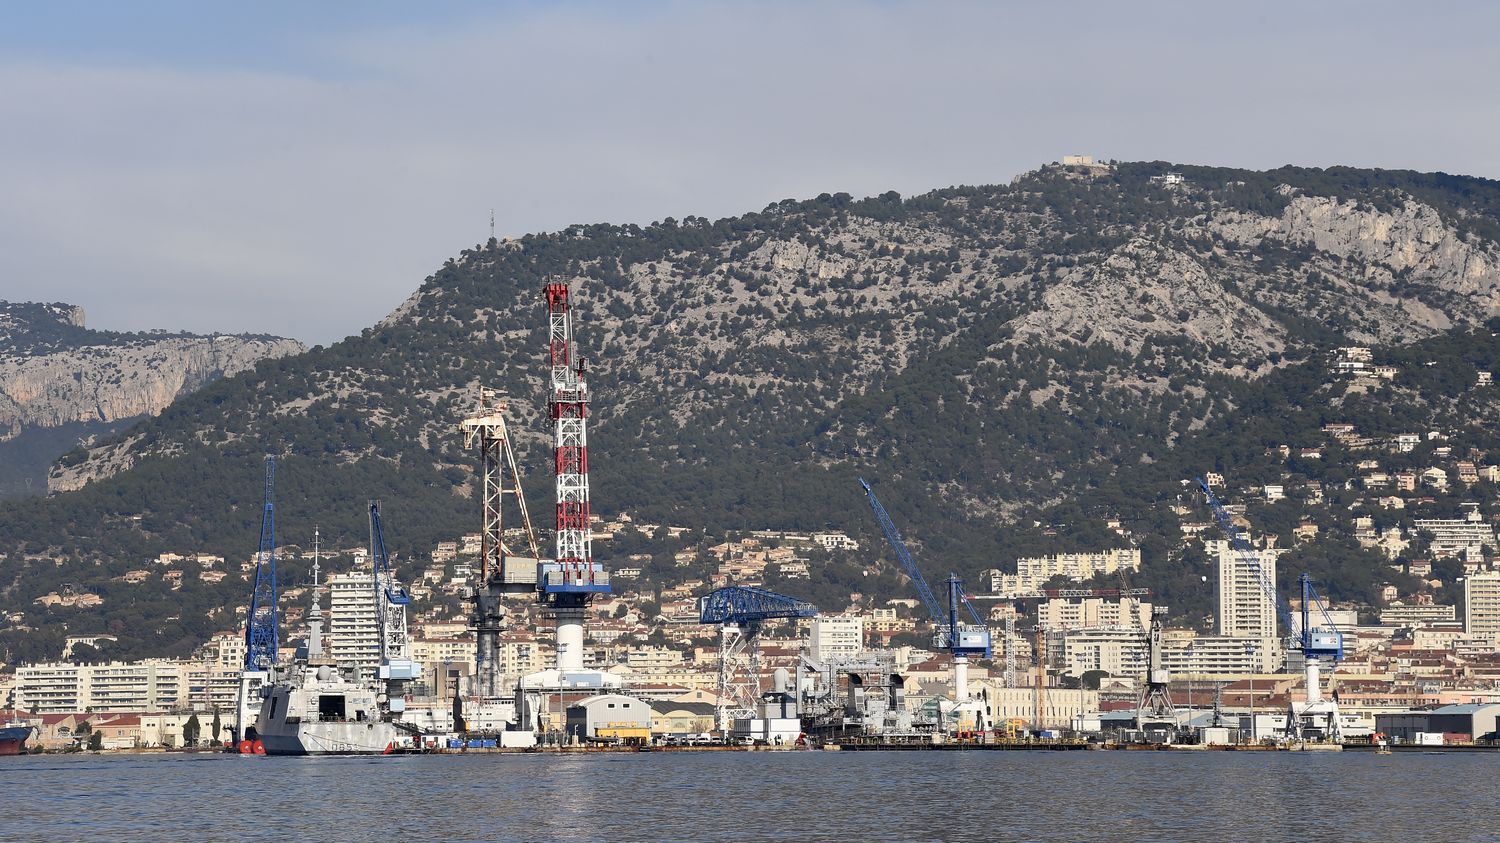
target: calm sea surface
856 796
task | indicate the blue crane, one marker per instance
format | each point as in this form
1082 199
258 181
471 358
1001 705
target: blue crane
743 604
260 625
1315 641
740 611
385 581
959 639
391 600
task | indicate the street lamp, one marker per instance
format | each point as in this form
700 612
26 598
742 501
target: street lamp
1250 653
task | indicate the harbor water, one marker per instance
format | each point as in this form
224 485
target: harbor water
1083 796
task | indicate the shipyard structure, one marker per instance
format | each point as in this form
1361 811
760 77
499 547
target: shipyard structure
364 689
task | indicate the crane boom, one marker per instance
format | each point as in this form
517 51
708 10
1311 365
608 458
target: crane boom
1241 546
261 638
959 639
893 537
391 601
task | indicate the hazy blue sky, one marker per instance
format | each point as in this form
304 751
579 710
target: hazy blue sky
298 168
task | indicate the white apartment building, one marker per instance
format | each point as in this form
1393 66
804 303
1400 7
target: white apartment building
1401 614
1115 650
1033 572
225 649
1093 612
214 688
353 625
1246 604
836 635
55 688
1214 655
1482 606
1455 535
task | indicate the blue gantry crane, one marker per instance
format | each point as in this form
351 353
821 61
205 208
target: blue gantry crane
746 605
391 601
261 638
1316 637
961 640
740 612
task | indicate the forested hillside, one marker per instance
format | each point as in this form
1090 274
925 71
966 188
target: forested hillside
1011 365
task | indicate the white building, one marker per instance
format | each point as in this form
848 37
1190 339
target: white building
1217 655
1243 591
1401 614
1451 536
1093 612
353 625
59 687
1060 706
836 635
1033 572
1482 606
835 541
1114 650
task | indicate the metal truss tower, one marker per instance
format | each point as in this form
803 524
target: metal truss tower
500 573
1154 705
261 639
740 613
573 578
391 603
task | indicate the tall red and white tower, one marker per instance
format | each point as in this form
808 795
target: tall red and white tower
573 578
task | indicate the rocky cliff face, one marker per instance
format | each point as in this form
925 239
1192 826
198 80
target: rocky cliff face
110 383
55 372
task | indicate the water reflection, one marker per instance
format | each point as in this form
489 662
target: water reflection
755 796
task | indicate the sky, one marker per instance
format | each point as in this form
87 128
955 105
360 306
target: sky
299 168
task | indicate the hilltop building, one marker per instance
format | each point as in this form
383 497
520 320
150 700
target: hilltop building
1034 572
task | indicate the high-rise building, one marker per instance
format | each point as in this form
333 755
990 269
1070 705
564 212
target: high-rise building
836 635
1246 602
353 624
1482 606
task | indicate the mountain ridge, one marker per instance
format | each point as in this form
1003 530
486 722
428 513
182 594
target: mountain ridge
985 353
62 382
